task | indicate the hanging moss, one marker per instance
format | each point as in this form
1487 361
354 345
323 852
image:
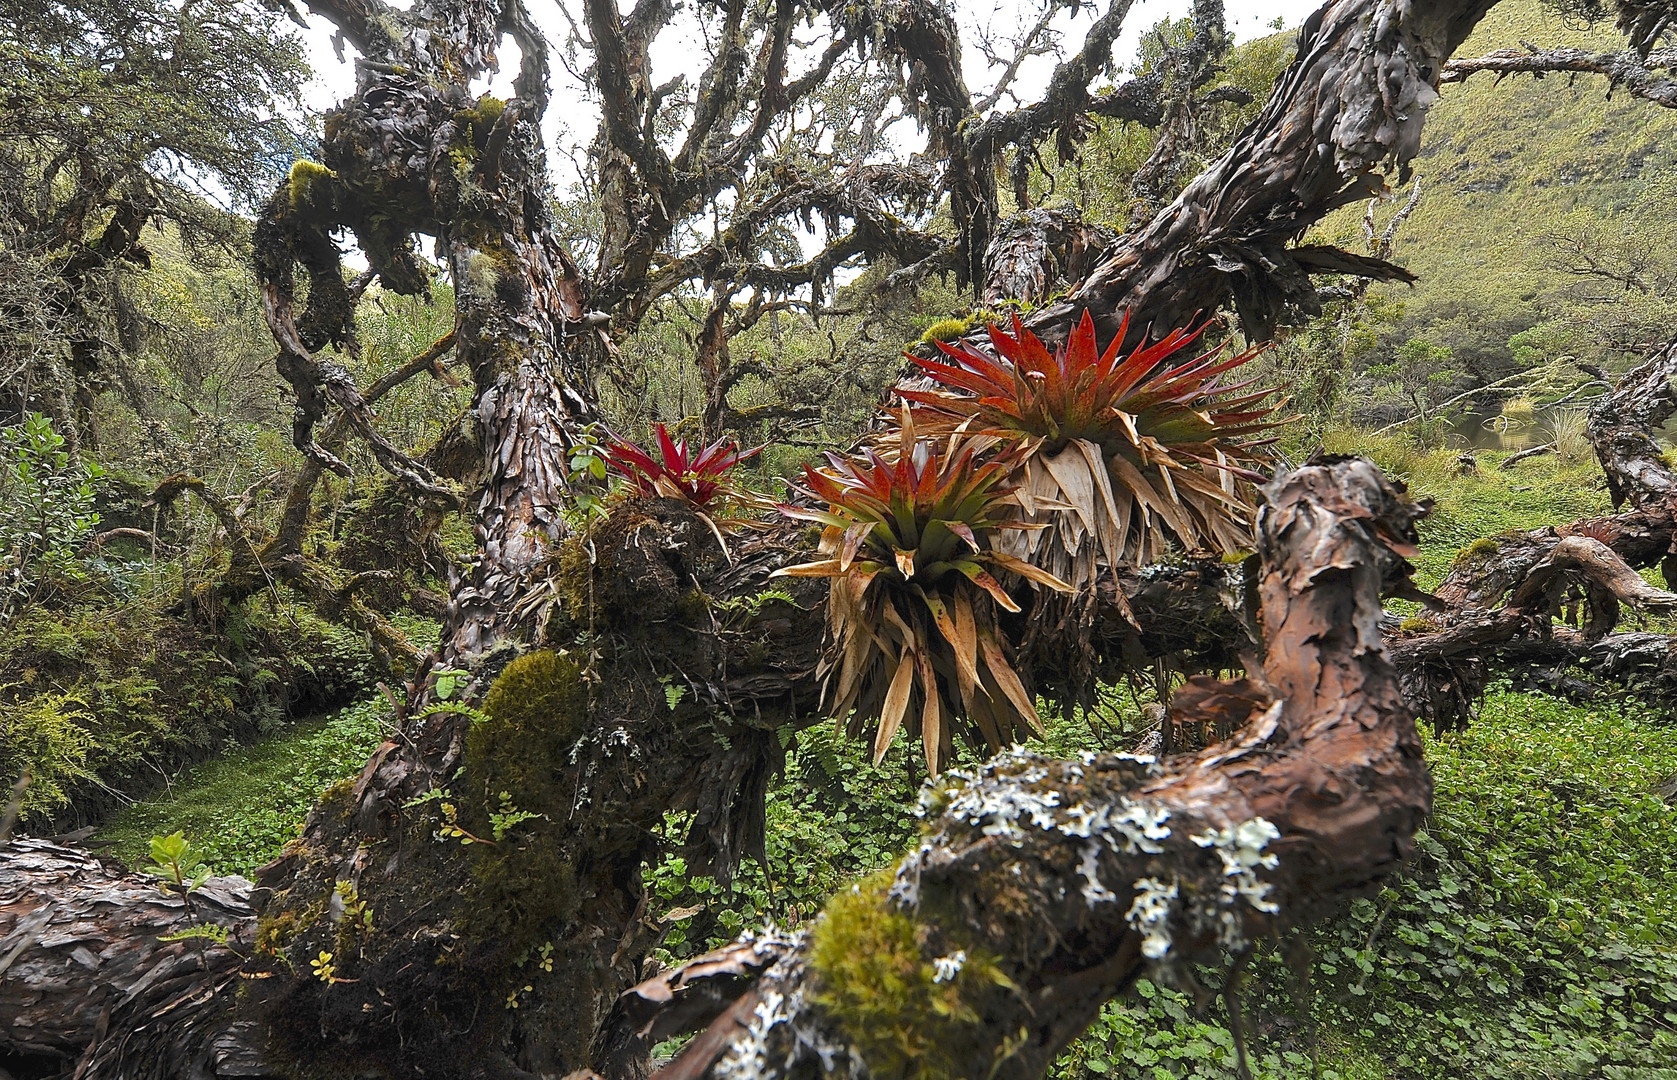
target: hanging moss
911 1015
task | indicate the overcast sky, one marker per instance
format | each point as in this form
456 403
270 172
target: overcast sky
571 119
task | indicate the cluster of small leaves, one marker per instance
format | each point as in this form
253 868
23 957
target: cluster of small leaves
46 514
1538 931
176 862
586 472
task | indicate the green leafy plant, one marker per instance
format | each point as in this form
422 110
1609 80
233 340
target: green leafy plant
177 862
356 911
586 473
451 681
47 734
912 607
1119 450
46 514
509 817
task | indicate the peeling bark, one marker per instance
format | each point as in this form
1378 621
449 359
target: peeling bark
1628 69
84 976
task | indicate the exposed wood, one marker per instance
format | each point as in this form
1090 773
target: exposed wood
1530 452
1636 73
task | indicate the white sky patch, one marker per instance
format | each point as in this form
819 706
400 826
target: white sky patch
573 116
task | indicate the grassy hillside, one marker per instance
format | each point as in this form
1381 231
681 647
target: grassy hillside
1505 165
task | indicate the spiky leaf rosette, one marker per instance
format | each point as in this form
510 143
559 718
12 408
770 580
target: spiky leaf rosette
675 472
912 635
1120 451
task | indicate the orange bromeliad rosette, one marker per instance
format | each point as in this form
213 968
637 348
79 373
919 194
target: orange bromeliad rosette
1118 452
912 609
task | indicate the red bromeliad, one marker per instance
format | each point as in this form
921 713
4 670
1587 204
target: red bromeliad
1114 445
675 473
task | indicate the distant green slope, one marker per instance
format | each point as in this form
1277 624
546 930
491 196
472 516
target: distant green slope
1503 164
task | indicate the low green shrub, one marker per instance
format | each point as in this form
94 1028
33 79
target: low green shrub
103 704
242 808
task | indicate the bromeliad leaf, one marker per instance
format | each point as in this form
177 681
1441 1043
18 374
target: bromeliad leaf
675 473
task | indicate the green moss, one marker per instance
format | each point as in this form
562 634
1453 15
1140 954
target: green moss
538 696
693 608
525 884
1480 548
476 122
310 185
338 801
1416 625
483 274
946 330
523 891
878 982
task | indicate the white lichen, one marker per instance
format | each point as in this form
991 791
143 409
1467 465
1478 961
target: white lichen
1149 915
1014 794
947 967
784 1036
1241 848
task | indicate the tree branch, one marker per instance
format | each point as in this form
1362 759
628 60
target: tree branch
1351 104
1627 69
1059 883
